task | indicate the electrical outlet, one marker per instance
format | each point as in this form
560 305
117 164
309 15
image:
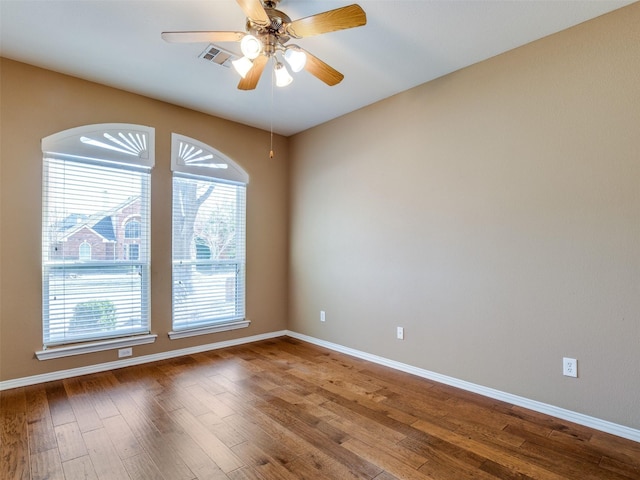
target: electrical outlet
400 333
125 352
569 367
322 316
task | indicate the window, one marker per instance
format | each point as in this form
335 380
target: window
132 251
84 251
208 240
132 229
95 177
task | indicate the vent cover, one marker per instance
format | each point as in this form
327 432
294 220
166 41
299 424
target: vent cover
218 55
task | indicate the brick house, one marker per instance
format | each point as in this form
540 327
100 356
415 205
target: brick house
112 235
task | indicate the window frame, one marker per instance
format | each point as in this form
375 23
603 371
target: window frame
194 161
124 148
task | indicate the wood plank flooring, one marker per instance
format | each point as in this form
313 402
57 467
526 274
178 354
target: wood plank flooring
283 409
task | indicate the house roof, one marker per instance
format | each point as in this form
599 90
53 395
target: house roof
101 223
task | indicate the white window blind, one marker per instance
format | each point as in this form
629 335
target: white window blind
95 181
209 216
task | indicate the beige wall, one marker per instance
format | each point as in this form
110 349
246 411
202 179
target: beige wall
495 214
35 103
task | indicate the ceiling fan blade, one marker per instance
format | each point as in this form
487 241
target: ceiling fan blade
204 37
254 10
250 81
329 21
322 71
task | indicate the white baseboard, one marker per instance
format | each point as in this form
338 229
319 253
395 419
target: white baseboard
102 367
579 418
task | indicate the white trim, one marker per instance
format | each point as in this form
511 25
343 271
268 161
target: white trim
103 367
99 346
173 335
575 417
73 142
232 172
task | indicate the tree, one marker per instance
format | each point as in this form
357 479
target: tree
188 198
186 204
218 230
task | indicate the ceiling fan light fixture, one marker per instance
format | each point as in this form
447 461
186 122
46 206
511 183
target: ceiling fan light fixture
267 31
242 66
295 57
283 78
250 46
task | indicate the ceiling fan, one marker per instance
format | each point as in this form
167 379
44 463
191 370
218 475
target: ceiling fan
268 32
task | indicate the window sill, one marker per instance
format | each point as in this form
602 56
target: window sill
211 329
99 346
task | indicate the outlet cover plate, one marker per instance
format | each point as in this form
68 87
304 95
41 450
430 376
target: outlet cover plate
125 352
569 367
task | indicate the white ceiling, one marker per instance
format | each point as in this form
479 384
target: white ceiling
405 43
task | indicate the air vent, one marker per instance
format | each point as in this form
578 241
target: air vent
218 55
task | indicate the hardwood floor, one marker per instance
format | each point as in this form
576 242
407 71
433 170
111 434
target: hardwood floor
284 409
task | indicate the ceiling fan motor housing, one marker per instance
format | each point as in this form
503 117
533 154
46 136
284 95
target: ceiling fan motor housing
273 34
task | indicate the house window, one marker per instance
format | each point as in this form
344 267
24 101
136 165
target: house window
132 229
208 239
84 251
132 251
95 177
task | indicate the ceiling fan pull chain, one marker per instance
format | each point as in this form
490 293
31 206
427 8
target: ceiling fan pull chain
271 154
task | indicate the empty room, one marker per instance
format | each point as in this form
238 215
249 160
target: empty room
252 239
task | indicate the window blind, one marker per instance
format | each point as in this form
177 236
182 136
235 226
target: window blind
208 252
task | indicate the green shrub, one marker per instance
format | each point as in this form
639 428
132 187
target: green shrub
94 315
